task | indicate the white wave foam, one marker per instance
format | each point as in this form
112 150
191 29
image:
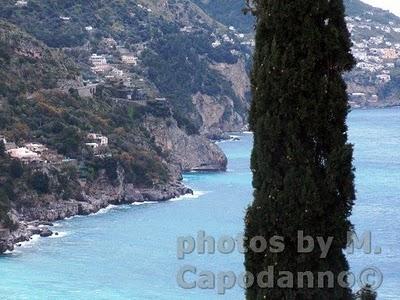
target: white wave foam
196 194
24 245
143 203
73 217
104 210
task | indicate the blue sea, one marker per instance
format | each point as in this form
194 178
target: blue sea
130 252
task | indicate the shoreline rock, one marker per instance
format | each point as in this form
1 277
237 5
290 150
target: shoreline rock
37 220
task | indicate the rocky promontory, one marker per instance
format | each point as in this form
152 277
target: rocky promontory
37 220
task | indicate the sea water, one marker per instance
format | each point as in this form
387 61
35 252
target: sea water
130 251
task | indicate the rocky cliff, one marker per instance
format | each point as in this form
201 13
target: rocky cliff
146 154
194 152
36 219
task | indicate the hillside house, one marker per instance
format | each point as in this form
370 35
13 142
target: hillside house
98 60
24 154
188 29
216 44
390 54
92 146
129 59
99 139
101 68
21 3
37 148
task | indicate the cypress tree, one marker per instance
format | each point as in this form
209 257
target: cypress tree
303 176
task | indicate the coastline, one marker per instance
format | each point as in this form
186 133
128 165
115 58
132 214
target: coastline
38 221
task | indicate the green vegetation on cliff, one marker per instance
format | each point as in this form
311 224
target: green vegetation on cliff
176 62
34 109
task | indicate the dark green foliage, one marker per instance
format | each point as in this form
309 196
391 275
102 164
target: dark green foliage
69 141
40 182
4 206
2 149
61 121
367 293
109 18
301 161
67 186
111 167
228 12
16 168
176 65
36 73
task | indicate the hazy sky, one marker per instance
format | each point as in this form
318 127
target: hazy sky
392 5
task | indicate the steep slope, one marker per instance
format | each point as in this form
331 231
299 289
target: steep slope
376 37
176 42
39 103
228 12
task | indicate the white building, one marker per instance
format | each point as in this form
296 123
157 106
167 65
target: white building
187 29
92 146
24 154
98 60
129 59
21 3
101 68
216 44
37 148
100 139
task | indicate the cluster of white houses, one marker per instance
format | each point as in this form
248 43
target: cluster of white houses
103 68
36 152
376 54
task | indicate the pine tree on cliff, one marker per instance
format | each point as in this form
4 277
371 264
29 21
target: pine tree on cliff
303 176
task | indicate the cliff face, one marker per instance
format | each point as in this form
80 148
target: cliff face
90 198
189 152
184 53
225 113
146 153
375 81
